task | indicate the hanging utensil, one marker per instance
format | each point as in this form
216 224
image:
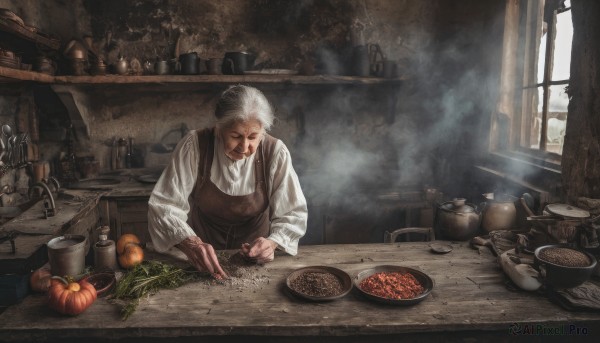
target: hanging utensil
12 149
2 151
6 132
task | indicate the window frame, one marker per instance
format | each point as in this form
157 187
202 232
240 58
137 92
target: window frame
519 70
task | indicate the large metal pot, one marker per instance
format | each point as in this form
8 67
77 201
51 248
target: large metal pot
560 276
457 220
67 255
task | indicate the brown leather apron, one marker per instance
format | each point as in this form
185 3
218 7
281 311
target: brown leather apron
226 221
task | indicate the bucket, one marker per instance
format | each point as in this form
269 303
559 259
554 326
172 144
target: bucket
67 255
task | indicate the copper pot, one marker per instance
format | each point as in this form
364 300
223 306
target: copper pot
44 65
75 51
99 68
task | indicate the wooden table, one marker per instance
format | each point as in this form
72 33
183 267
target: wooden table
469 299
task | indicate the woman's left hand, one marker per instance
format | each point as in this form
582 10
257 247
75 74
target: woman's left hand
262 250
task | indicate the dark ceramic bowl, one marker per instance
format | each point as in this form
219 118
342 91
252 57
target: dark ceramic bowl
344 278
559 276
104 282
423 279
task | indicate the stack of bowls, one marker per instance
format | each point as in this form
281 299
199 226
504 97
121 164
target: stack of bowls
9 59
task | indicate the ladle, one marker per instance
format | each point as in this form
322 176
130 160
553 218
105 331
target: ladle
12 144
7 130
2 151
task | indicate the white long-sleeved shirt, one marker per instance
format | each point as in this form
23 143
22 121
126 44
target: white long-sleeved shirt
169 202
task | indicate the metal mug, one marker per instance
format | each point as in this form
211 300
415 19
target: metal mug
213 66
189 63
360 61
162 68
237 62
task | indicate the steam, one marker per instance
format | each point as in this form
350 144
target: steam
358 144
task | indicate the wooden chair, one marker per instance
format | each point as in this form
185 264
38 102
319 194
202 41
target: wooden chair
427 232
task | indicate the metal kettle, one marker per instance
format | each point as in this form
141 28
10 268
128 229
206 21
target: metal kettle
121 66
457 219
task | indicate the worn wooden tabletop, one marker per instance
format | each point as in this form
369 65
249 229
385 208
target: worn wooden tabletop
470 294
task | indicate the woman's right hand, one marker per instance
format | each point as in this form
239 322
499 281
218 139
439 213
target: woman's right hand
202 256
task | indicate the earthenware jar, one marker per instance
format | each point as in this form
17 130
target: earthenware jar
499 212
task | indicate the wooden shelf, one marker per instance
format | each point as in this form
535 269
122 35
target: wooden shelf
15 75
223 79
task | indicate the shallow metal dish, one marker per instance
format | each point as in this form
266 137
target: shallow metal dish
440 248
345 279
423 278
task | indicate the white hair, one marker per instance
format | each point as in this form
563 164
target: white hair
243 103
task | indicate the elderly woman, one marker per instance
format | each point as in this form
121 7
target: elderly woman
228 187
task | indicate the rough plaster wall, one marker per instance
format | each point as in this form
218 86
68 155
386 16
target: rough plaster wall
343 134
281 33
460 79
353 123
147 119
63 19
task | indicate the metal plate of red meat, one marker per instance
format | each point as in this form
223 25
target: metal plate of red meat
424 280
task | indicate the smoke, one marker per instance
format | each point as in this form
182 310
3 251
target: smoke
358 144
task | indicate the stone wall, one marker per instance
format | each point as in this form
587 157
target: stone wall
343 140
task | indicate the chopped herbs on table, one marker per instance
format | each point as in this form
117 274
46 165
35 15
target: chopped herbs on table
148 278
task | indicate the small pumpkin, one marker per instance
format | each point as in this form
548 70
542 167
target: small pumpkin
124 240
40 279
70 297
132 255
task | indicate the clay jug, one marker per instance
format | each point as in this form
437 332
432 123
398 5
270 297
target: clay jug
499 212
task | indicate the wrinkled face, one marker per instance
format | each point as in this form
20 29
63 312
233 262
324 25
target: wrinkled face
241 139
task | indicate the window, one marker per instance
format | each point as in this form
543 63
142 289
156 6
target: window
546 33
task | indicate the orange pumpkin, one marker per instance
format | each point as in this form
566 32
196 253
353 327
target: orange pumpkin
40 279
70 297
132 255
124 240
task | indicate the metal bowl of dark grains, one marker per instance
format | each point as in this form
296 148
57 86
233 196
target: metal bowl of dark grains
562 266
319 283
